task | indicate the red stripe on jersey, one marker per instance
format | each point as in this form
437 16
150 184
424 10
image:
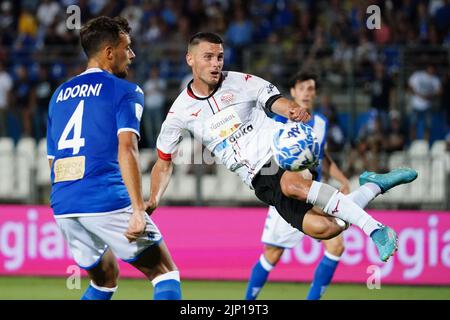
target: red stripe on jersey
216 103
164 156
190 94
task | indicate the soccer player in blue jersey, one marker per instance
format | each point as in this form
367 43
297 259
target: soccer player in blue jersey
92 146
278 235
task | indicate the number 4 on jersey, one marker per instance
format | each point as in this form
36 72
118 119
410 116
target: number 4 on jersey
75 122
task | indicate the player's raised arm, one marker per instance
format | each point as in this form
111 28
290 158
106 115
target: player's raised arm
290 110
160 178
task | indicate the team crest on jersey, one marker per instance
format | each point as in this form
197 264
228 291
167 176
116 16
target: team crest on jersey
227 97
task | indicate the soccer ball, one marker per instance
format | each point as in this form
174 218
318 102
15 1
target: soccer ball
295 147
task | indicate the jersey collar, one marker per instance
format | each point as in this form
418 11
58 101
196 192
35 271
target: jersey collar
191 93
91 70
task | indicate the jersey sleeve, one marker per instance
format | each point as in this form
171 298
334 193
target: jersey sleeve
169 137
261 90
50 143
51 147
129 111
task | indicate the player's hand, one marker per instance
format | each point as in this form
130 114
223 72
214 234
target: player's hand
345 188
297 113
150 206
136 225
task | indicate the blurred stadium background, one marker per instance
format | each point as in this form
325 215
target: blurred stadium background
369 80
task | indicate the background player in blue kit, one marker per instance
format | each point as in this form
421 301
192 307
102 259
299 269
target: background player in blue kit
92 146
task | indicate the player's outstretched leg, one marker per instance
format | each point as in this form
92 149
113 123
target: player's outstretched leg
336 204
372 185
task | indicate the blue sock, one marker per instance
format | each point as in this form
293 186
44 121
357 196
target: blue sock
167 286
258 278
322 277
94 292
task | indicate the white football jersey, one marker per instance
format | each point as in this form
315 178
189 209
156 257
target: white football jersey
230 122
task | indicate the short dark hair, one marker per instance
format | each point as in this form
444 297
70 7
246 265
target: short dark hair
102 30
205 36
303 76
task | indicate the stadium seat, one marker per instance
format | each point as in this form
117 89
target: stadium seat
398 159
419 148
246 195
229 183
146 186
42 168
171 191
185 183
439 147
7 167
25 161
147 157
421 185
437 187
210 187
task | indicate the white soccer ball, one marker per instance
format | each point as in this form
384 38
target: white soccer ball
295 147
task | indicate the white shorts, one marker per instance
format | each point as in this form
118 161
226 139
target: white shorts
90 236
278 233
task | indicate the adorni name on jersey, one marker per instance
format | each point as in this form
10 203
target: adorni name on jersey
79 91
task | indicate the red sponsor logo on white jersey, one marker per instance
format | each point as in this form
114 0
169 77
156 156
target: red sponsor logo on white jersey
195 114
227 97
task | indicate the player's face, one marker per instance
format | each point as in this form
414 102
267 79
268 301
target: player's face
206 61
122 56
304 93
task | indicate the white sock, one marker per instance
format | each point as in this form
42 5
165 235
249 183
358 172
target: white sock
265 264
336 204
364 194
103 289
331 256
171 275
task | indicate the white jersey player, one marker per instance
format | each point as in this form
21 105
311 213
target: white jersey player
225 122
225 111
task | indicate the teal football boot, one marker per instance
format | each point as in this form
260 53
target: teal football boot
386 241
389 180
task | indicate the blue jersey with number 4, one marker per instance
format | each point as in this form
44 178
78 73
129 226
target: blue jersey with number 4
86 115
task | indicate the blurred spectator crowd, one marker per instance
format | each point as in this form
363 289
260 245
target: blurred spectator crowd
401 70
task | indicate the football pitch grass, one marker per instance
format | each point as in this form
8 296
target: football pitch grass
32 288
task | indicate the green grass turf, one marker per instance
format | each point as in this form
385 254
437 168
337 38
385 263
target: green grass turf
55 289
